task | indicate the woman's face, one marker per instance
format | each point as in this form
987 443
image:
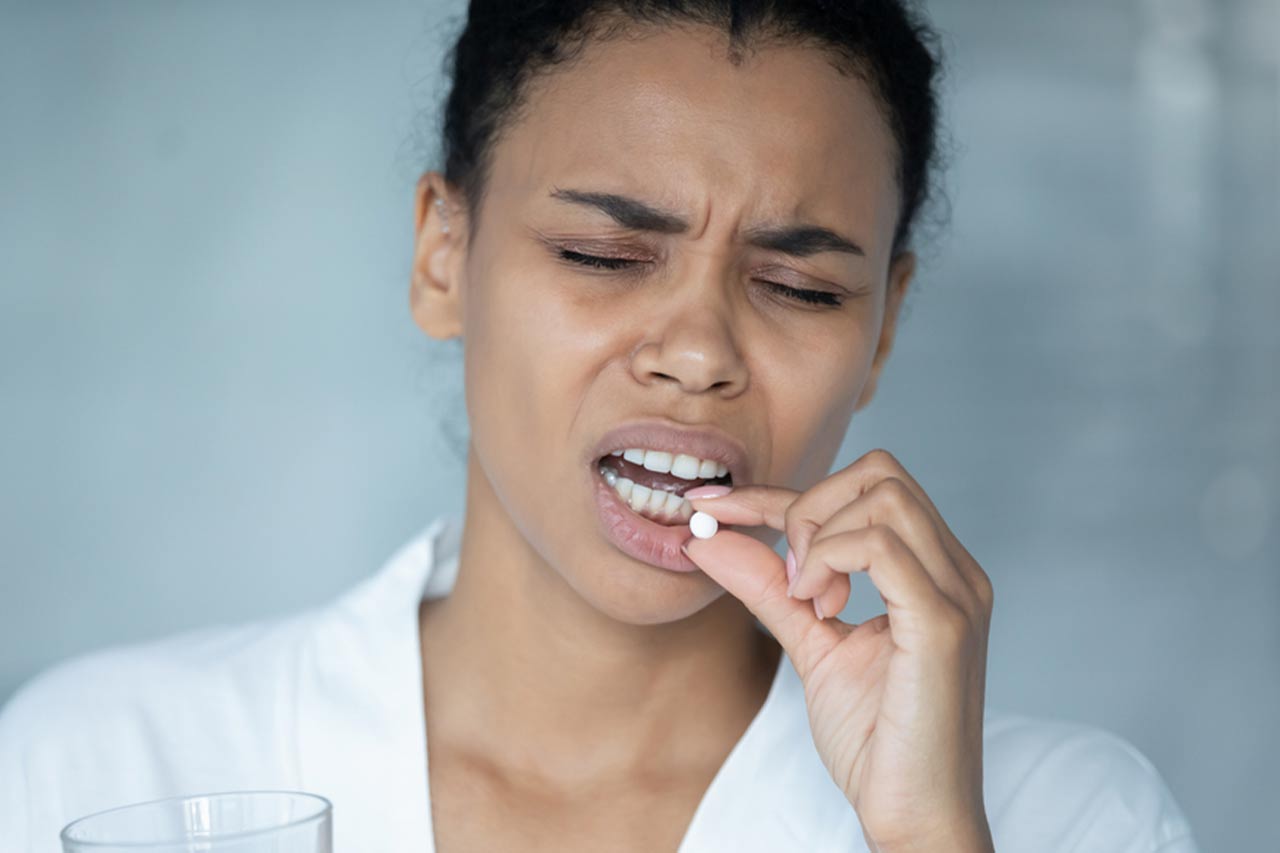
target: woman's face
695 332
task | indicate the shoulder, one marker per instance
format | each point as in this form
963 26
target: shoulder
151 691
215 667
114 682
224 672
218 708
1056 785
128 723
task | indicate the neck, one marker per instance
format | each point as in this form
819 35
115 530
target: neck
524 674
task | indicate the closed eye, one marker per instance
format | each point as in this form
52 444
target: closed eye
813 297
596 261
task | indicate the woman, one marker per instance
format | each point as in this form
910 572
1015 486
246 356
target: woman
673 240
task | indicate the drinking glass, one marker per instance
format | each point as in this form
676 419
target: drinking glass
229 822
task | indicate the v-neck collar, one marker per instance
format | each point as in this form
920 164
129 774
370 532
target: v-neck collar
362 727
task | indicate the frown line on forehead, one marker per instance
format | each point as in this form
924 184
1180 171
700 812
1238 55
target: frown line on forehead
800 240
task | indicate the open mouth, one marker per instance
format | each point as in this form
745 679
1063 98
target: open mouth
652 483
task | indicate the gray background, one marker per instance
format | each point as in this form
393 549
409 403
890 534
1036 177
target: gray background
214 406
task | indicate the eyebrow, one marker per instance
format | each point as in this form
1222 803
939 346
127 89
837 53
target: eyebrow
800 240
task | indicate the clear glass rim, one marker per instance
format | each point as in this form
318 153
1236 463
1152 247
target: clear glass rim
322 807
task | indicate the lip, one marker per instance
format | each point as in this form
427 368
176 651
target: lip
633 534
638 537
702 442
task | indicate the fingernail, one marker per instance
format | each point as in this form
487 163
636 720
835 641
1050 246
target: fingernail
708 492
791 567
817 609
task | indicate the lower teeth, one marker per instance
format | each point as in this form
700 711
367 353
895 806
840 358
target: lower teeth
653 504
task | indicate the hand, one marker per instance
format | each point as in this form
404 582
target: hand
896 702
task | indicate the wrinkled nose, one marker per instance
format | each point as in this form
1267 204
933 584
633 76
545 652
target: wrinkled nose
693 345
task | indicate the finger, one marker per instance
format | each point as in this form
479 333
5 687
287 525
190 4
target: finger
751 506
750 571
772 506
859 477
833 598
801 515
880 464
893 502
813 508
916 606
766 505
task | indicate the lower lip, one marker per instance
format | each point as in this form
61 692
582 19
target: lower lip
638 537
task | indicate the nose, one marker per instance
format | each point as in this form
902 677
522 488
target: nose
692 343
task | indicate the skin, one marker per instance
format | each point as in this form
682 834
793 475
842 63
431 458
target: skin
559 673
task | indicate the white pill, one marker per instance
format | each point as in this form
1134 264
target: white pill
702 525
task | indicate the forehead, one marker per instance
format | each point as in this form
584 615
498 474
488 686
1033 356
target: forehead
666 115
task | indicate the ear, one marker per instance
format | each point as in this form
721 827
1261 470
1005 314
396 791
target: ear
435 298
900 272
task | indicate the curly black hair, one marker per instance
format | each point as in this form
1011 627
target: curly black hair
885 43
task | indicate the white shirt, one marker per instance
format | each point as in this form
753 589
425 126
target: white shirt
329 701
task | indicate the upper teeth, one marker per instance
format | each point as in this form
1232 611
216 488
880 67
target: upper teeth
680 465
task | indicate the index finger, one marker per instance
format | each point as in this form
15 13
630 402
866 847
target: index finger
751 506
770 504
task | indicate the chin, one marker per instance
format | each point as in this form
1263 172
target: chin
634 593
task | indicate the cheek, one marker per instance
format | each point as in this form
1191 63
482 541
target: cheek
530 356
812 392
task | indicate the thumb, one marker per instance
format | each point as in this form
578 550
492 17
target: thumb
750 571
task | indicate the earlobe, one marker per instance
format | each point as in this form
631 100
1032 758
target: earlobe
901 271
434 300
